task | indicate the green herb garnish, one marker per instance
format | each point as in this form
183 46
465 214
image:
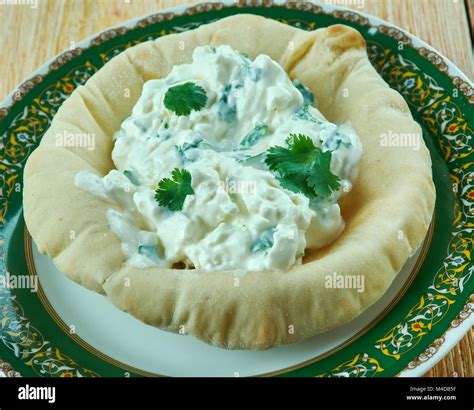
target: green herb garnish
140 126
304 114
171 193
131 177
308 97
227 107
181 149
255 135
265 241
254 73
150 252
303 167
184 98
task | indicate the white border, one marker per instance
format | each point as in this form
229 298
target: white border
453 336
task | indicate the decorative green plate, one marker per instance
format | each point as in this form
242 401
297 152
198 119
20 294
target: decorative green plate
64 330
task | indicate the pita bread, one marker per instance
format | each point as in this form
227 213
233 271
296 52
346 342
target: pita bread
387 214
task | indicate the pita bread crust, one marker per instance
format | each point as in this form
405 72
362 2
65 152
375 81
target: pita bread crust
394 192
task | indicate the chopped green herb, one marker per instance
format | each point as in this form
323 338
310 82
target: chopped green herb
181 154
139 125
333 143
205 145
256 161
304 114
227 107
255 135
308 97
171 193
265 241
150 252
181 149
131 177
184 98
254 73
303 167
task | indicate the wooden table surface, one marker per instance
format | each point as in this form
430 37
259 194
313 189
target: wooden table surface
31 36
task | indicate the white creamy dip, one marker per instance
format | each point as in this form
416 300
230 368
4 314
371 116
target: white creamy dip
238 218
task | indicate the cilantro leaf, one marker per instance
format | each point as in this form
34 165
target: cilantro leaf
184 98
324 182
303 167
171 193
